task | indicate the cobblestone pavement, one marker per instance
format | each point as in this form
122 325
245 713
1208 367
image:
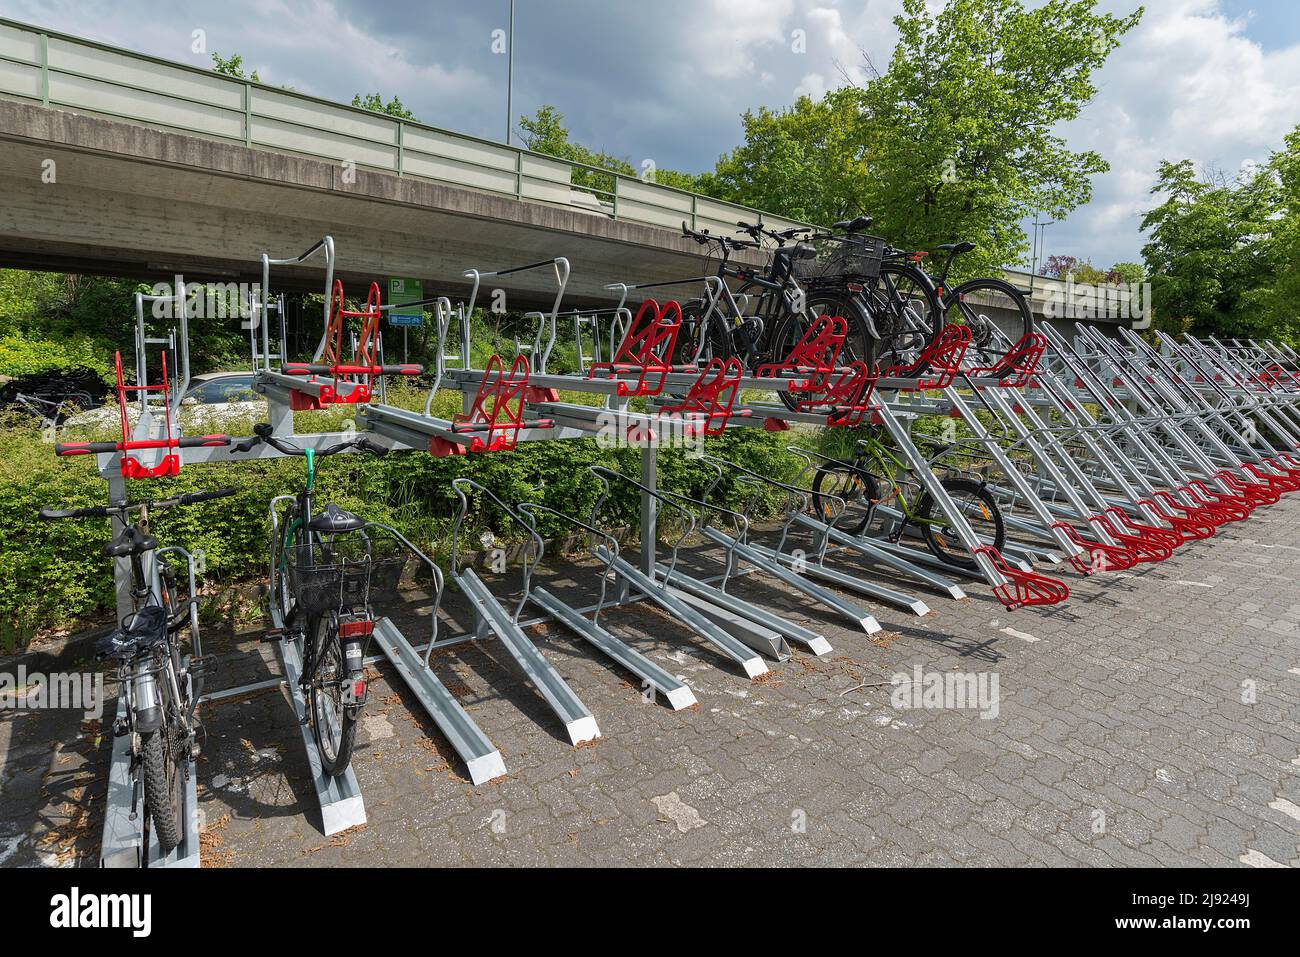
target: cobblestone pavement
1152 720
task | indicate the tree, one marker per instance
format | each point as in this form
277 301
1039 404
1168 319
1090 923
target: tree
1212 253
962 138
232 65
375 102
1058 267
807 162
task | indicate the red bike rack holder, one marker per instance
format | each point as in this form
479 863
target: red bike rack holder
1023 588
647 349
131 467
849 396
1187 527
1204 516
1232 508
1153 533
496 415
813 357
1252 493
942 358
1100 556
1144 547
1280 379
358 371
1016 369
712 396
1279 483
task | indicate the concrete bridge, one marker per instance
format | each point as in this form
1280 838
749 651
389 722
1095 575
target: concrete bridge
120 163
116 162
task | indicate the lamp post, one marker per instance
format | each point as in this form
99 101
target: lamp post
1039 237
510 71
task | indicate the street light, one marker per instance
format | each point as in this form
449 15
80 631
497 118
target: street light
1039 237
510 71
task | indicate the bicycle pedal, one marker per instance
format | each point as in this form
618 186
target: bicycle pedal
121 727
275 634
204 665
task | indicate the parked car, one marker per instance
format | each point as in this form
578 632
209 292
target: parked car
213 399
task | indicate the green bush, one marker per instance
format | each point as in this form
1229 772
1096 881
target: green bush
55 573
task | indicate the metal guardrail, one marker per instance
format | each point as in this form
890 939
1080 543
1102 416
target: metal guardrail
65 72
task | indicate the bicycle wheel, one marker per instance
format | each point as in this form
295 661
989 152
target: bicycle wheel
981 510
163 779
906 313
859 344
857 488
717 338
973 303
333 724
282 570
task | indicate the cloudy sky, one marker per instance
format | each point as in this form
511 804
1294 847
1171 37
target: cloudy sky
1213 80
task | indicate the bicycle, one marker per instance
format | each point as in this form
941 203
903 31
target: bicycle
323 565
907 307
162 687
878 476
717 325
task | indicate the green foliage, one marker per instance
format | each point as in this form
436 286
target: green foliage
1224 254
962 140
54 573
232 65
375 102
808 162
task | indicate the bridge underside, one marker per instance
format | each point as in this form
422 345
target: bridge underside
133 201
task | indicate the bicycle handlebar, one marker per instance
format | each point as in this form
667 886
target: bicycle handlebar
185 442
123 508
262 434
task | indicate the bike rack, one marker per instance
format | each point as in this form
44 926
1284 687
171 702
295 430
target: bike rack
491 616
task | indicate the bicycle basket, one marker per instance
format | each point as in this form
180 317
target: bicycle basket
850 257
343 573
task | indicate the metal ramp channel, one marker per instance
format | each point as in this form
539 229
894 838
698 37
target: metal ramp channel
676 692
578 721
730 646
481 758
809 639
852 612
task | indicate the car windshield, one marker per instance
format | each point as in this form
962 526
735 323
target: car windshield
225 389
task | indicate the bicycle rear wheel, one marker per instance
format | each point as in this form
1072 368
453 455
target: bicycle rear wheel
333 724
973 303
906 312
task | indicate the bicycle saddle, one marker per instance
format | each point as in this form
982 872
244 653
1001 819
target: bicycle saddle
335 519
854 225
131 542
139 632
956 248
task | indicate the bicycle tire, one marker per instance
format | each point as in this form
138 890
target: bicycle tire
857 507
905 330
983 342
859 343
335 755
161 789
717 338
938 544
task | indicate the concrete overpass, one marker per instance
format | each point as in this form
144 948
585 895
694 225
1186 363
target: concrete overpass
115 162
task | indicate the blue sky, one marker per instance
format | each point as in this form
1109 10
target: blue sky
1212 80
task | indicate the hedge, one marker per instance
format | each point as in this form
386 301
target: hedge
54 573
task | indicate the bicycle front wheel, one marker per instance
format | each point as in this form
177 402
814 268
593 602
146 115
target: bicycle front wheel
976 503
992 309
333 723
